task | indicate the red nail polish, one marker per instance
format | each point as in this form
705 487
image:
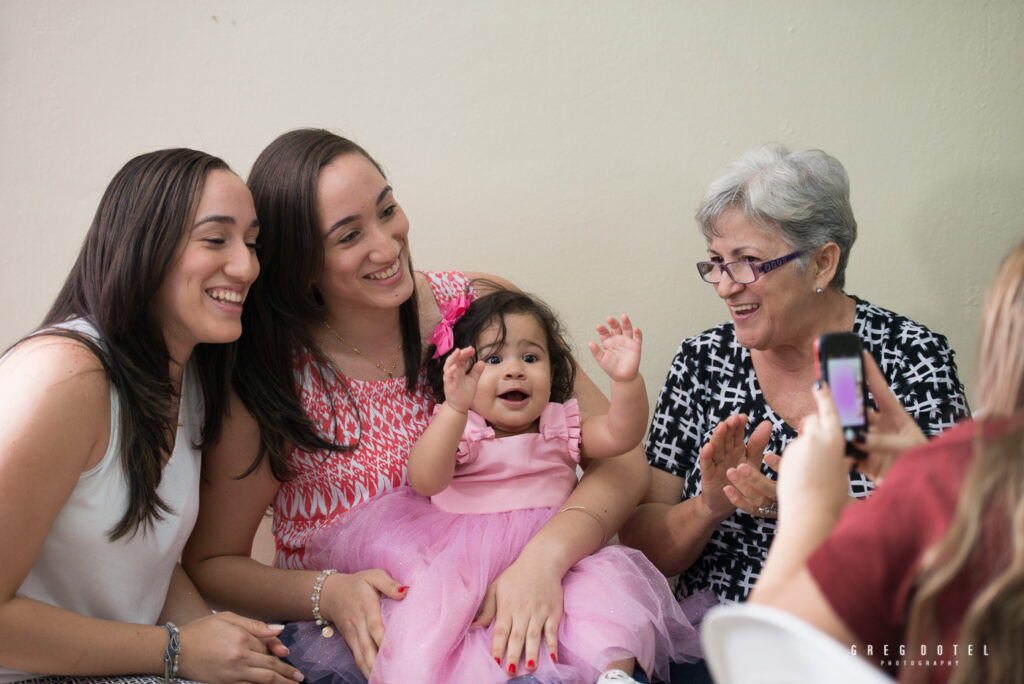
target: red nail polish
554 658
402 590
511 668
498 660
530 664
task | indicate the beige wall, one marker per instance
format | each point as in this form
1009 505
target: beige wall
563 144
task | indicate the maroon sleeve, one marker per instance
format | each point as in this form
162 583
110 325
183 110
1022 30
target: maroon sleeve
865 567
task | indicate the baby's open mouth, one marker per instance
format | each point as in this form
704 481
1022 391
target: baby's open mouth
515 395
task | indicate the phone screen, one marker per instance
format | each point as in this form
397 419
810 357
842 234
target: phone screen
845 382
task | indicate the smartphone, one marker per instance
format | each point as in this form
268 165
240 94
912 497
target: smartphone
840 361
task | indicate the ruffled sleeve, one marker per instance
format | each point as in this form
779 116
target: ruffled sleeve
562 421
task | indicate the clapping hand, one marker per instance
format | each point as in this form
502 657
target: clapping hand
618 354
730 468
460 384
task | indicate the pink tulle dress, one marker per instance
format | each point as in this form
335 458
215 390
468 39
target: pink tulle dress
450 547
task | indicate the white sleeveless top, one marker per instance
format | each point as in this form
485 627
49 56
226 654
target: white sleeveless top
79 568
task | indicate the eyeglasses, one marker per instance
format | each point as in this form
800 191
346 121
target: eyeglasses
741 272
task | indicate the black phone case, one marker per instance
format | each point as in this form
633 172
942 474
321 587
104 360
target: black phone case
843 344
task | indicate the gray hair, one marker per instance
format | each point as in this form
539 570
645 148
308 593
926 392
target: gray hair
804 195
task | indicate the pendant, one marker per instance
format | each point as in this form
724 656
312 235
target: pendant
327 632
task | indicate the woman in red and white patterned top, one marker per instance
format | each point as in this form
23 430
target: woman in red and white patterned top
390 418
328 399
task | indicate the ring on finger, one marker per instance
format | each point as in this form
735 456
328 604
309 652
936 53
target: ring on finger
769 510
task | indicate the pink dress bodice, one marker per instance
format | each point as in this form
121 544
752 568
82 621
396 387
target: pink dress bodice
381 415
530 470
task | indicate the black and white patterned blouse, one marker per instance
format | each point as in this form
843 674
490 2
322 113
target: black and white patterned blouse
712 377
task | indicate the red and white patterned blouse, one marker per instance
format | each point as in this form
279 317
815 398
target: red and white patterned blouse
326 484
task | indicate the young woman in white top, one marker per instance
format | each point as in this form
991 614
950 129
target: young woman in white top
101 421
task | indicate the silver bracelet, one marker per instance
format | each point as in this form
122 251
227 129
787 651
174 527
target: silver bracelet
171 654
321 621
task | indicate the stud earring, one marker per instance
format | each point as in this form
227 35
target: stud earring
818 291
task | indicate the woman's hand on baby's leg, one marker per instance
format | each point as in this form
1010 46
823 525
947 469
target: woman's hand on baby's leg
352 603
525 604
618 354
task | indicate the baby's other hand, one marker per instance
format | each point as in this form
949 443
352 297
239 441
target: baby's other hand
618 354
460 384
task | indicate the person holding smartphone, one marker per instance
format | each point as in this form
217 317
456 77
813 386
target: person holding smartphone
840 360
779 229
930 566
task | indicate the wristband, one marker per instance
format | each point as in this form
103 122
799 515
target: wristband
171 654
321 621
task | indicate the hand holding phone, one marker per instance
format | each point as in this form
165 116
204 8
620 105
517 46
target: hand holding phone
840 363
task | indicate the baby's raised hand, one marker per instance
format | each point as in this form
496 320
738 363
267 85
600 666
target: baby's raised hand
460 385
618 355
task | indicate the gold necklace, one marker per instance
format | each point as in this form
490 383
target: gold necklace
394 362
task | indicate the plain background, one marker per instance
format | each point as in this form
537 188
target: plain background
563 144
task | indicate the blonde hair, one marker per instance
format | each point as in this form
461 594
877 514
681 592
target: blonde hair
1000 365
992 497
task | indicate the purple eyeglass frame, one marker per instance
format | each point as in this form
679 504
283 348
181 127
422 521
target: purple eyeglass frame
758 267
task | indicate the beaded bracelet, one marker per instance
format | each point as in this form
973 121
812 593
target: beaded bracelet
171 654
321 621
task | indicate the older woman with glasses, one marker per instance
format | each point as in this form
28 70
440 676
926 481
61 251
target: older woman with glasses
779 228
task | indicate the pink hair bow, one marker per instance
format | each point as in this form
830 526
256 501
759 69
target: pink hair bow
442 337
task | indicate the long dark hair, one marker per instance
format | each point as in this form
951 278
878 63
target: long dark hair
142 219
283 303
492 308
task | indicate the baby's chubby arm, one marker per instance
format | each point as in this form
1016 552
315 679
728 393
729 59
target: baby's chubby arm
618 355
432 458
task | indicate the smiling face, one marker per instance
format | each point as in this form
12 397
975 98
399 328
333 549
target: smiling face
366 237
515 385
776 309
200 298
